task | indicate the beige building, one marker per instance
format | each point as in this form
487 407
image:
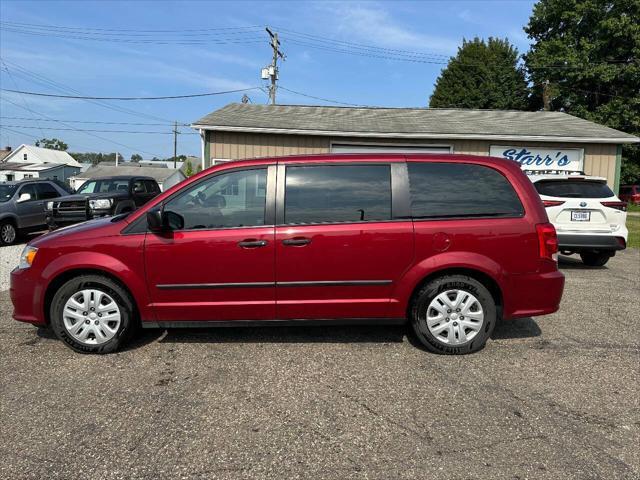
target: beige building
537 140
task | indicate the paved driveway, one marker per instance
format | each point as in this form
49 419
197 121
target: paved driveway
554 398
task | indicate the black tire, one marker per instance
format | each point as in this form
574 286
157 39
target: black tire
595 259
434 288
123 300
8 232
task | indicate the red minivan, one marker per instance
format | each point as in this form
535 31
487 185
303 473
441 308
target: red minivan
449 243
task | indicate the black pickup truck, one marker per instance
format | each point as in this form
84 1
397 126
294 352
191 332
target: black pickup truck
102 197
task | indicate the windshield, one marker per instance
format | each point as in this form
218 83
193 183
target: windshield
573 189
6 192
104 186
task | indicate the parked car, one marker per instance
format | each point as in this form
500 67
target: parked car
588 217
630 194
449 243
101 197
22 206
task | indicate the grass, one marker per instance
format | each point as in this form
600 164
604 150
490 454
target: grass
633 224
633 208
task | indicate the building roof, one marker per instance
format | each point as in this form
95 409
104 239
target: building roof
30 167
3 153
101 171
410 123
41 155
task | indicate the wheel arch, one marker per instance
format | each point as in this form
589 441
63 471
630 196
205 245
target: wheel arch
64 276
487 280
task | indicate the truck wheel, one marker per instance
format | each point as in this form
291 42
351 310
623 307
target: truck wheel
92 314
453 315
8 233
595 259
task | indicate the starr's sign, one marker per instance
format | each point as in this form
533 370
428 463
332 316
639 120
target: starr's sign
533 158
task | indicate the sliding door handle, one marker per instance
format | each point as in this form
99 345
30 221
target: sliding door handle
251 243
296 242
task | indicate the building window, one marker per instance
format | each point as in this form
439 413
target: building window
24 157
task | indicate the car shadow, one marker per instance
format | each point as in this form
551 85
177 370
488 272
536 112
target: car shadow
516 328
571 263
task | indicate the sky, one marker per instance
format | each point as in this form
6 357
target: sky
364 53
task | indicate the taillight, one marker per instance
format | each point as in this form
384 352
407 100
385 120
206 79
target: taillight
547 241
551 203
617 205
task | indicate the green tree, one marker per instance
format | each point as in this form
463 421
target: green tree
188 168
136 157
52 144
482 75
588 51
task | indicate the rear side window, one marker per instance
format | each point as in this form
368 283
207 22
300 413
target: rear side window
46 190
151 186
448 190
573 189
337 193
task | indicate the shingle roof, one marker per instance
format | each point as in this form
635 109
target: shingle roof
410 123
101 171
42 155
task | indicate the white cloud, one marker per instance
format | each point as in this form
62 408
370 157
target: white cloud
374 25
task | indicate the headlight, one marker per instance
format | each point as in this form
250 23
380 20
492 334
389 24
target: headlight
100 204
27 256
49 205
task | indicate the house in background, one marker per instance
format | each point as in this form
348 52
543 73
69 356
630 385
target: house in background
537 140
166 177
28 161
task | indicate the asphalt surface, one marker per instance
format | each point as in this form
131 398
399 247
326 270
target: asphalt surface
553 398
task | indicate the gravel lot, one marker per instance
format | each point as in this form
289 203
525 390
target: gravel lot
554 398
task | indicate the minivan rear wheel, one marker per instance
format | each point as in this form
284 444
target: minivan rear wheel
92 314
595 259
455 314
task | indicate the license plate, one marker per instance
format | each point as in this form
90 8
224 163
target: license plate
579 216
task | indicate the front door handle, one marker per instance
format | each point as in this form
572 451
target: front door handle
296 242
250 243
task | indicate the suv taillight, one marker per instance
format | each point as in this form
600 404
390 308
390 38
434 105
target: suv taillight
617 205
547 241
551 203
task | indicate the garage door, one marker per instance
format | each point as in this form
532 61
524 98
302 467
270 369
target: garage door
364 148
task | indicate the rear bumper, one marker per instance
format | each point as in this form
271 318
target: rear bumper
591 242
535 294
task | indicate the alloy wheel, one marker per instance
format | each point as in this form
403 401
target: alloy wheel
8 233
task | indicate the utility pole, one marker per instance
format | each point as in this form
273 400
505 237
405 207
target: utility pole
175 144
271 72
546 97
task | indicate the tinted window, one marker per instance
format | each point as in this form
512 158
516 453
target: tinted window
30 189
151 186
46 190
460 190
337 193
138 187
573 189
234 199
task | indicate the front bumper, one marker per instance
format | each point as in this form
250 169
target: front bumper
27 295
587 242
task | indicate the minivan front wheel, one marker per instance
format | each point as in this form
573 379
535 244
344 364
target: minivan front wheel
92 314
454 314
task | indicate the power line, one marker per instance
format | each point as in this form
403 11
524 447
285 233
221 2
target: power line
87 97
319 98
99 130
60 27
94 122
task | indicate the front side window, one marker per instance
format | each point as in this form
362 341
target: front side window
573 189
337 193
30 189
223 201
453 190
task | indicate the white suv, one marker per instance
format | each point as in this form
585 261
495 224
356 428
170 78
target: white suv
589 218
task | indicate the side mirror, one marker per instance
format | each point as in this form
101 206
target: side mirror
161 221
24 197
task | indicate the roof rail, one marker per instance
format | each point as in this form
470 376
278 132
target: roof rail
554 172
